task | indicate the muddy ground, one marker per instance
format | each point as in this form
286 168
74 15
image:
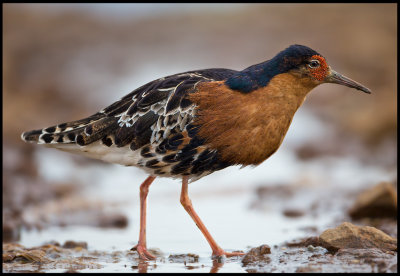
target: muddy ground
282 259
317 251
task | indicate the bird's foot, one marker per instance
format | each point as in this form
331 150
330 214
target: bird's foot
144 254
220 252
232 254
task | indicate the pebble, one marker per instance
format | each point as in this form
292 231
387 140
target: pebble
378 202
348 235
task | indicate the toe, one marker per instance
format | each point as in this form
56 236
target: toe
220 253
232 254
144 254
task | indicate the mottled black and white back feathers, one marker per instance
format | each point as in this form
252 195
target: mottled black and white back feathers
151 127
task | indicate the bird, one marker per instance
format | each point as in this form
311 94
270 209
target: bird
191 124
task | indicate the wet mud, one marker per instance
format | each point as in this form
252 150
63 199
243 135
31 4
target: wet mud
302 257
348 247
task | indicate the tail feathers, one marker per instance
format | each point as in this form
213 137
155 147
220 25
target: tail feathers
31 136
81 132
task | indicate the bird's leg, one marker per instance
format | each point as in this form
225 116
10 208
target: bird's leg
187 204
141 246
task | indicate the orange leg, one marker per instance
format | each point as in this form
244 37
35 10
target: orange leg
187 204
141 246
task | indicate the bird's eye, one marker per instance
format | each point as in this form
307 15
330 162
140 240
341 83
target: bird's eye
313 64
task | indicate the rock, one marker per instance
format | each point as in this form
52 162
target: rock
348 235
8 257
11 230
279 190
183 258
293 213
113 220
257 254
305 242
387 225
17 253
312 248
379 201
73 244
53 242
33 256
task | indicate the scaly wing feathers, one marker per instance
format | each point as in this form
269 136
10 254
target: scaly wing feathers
146 115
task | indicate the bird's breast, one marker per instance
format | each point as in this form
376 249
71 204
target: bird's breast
245 128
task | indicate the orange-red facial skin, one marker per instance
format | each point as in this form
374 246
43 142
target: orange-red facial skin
322 71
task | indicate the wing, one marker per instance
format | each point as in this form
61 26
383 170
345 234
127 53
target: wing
153 120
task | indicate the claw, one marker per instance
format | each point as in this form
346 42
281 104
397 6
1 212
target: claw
144 254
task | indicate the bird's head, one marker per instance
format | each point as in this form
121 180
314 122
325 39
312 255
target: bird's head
298 60
315 67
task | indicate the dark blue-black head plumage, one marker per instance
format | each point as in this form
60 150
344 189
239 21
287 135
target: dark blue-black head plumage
259 75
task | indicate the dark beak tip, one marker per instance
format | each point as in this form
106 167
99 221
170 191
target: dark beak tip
366 90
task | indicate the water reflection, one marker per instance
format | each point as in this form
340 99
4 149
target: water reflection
141 267
217 264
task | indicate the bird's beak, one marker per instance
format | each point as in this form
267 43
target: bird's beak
335 77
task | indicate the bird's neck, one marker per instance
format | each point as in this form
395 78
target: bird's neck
259 75
246 128
254 77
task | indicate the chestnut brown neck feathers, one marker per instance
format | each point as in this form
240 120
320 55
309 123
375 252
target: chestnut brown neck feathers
247 128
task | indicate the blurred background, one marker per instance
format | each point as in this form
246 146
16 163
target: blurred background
63 62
